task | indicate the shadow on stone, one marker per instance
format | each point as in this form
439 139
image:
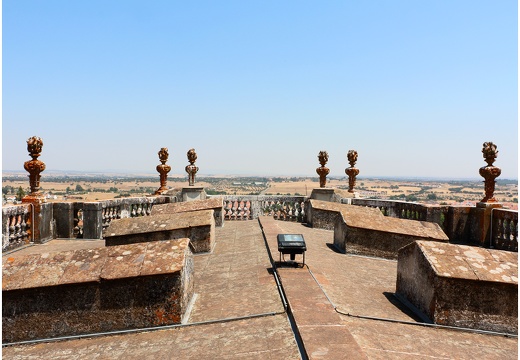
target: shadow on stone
391 297
334 248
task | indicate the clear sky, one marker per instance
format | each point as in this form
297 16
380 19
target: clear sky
260 87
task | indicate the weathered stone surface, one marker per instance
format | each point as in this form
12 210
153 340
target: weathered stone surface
367 231
198 226
95 290
323 194
373 234
63 214
214 204
324 214
193 193
460 285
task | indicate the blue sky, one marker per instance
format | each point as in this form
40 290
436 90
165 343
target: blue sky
260 87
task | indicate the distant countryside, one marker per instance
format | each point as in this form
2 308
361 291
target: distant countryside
87 187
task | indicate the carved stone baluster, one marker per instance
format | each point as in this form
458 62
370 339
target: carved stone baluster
227 213
23 230
241 210
106 217
12 234
499 233
246 211
17 229
507 231
512 237
112 215
235 209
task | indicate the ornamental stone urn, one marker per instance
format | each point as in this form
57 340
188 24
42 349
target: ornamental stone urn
163 170
34 167
352 171
323 171
191 169
489 172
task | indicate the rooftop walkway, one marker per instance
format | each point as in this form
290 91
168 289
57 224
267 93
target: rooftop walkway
339 306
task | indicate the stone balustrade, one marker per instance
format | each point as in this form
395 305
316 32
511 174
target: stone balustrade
105 211
504 230
285 208
237 209
88 220
250 207
16 226
406 210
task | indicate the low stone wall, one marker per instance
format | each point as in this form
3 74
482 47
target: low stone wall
366 231
198 226
324 214
95 290
214 204
459 285
361 231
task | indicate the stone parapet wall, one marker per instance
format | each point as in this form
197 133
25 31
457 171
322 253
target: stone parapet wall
198 226
462 286
366 231
465 225
216 204
405 210
95 290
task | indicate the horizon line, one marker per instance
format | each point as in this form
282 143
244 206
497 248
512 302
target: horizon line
220 174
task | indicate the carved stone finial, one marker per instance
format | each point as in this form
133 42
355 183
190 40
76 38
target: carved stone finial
352 171
323 171
191 169
34 166
163 170
489 172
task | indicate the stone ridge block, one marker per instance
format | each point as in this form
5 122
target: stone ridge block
216 204
324 214
198 226
461 286
95 290
366 231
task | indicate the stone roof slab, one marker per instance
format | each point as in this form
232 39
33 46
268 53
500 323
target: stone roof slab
471 263
85 266
163 257
49 270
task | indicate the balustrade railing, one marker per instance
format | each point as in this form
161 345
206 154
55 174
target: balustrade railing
237 209
248 207
89 220
406 210
78 223
504 229
16 226
284 208
88 216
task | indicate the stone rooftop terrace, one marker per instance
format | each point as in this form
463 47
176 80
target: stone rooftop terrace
238 313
